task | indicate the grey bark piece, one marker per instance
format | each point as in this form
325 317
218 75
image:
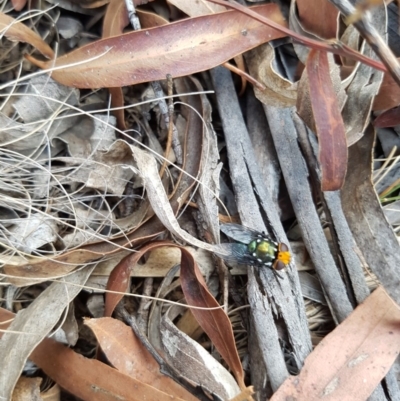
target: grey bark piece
263 146
285 293
366 219
333 202
295 173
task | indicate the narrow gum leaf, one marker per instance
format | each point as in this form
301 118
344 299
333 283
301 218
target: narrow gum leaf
214 322
181 48
328 122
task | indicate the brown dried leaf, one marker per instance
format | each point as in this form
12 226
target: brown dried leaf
181 48
118 281
128 355
214 322
350 361
115 18
328 122
320 17
389 118
150 20
15 30
160 203
388 95
36 269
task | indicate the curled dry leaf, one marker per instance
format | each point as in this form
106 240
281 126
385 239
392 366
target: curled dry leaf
150 20
364 86
278 91
350 362
306 27
181 48
15 30
27 389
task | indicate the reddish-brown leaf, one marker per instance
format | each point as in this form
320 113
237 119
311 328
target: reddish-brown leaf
181 48
350 362
389 94
319 17
389 118
129 356
328 122
118 282
214 322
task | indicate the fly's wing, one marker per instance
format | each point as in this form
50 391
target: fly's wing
234 252
239 233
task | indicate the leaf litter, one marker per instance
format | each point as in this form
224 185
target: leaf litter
86 187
